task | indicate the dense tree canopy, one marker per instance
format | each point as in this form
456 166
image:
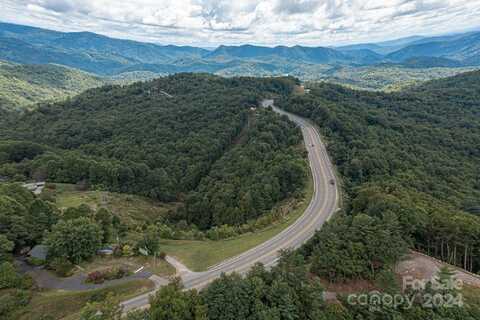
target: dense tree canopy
190 136
413 154
24 219
287 292
251 177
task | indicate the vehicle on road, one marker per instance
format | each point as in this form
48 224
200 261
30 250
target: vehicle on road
315 215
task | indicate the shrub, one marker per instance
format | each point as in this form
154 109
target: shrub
98 295
100 276
7 305
48 195
162 255
165 232
23 297
35 261
62 267
12 301
8 276
127 251
96 277
226 231
212 234
123 272
116 273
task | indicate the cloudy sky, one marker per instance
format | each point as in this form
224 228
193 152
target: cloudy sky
269 22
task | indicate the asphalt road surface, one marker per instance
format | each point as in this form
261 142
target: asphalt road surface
323 204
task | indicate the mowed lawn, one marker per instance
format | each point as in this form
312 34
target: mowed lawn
200 255
195 254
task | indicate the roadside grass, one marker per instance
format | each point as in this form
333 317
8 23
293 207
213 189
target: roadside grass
132 209
197 255
67 305
156 266
200 255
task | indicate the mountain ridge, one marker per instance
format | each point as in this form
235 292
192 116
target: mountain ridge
103 55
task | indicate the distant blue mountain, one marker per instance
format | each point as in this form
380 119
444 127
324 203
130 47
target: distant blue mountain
462 48
84 50
384 47
107 56
318 55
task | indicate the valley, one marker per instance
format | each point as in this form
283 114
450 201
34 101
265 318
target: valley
94 60
269 169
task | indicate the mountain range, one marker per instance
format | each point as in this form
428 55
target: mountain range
107 56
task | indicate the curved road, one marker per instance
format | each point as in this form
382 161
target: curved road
323 204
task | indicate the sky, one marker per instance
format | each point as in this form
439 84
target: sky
208 23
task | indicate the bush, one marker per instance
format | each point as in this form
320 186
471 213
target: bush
212 234
98 295
96 277
127 251
123 272
62 267
100 276
226 231
165 232
23 297
222 232
7 305
12 301
162 255
116 273
8 276
35 261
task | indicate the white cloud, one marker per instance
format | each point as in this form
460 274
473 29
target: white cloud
269 22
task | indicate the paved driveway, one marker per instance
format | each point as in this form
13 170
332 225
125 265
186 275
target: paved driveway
46 279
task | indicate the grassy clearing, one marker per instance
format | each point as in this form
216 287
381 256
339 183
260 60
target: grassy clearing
156 266
67 305
131 209
199 255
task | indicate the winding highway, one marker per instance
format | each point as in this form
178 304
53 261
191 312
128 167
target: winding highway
322 206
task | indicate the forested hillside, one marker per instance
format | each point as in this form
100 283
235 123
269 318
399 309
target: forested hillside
24 85
411 157
410 163
106 56
248 180
160 139
386 77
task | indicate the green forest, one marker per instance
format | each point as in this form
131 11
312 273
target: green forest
179 138
285 292
411 156
22 86
409 165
